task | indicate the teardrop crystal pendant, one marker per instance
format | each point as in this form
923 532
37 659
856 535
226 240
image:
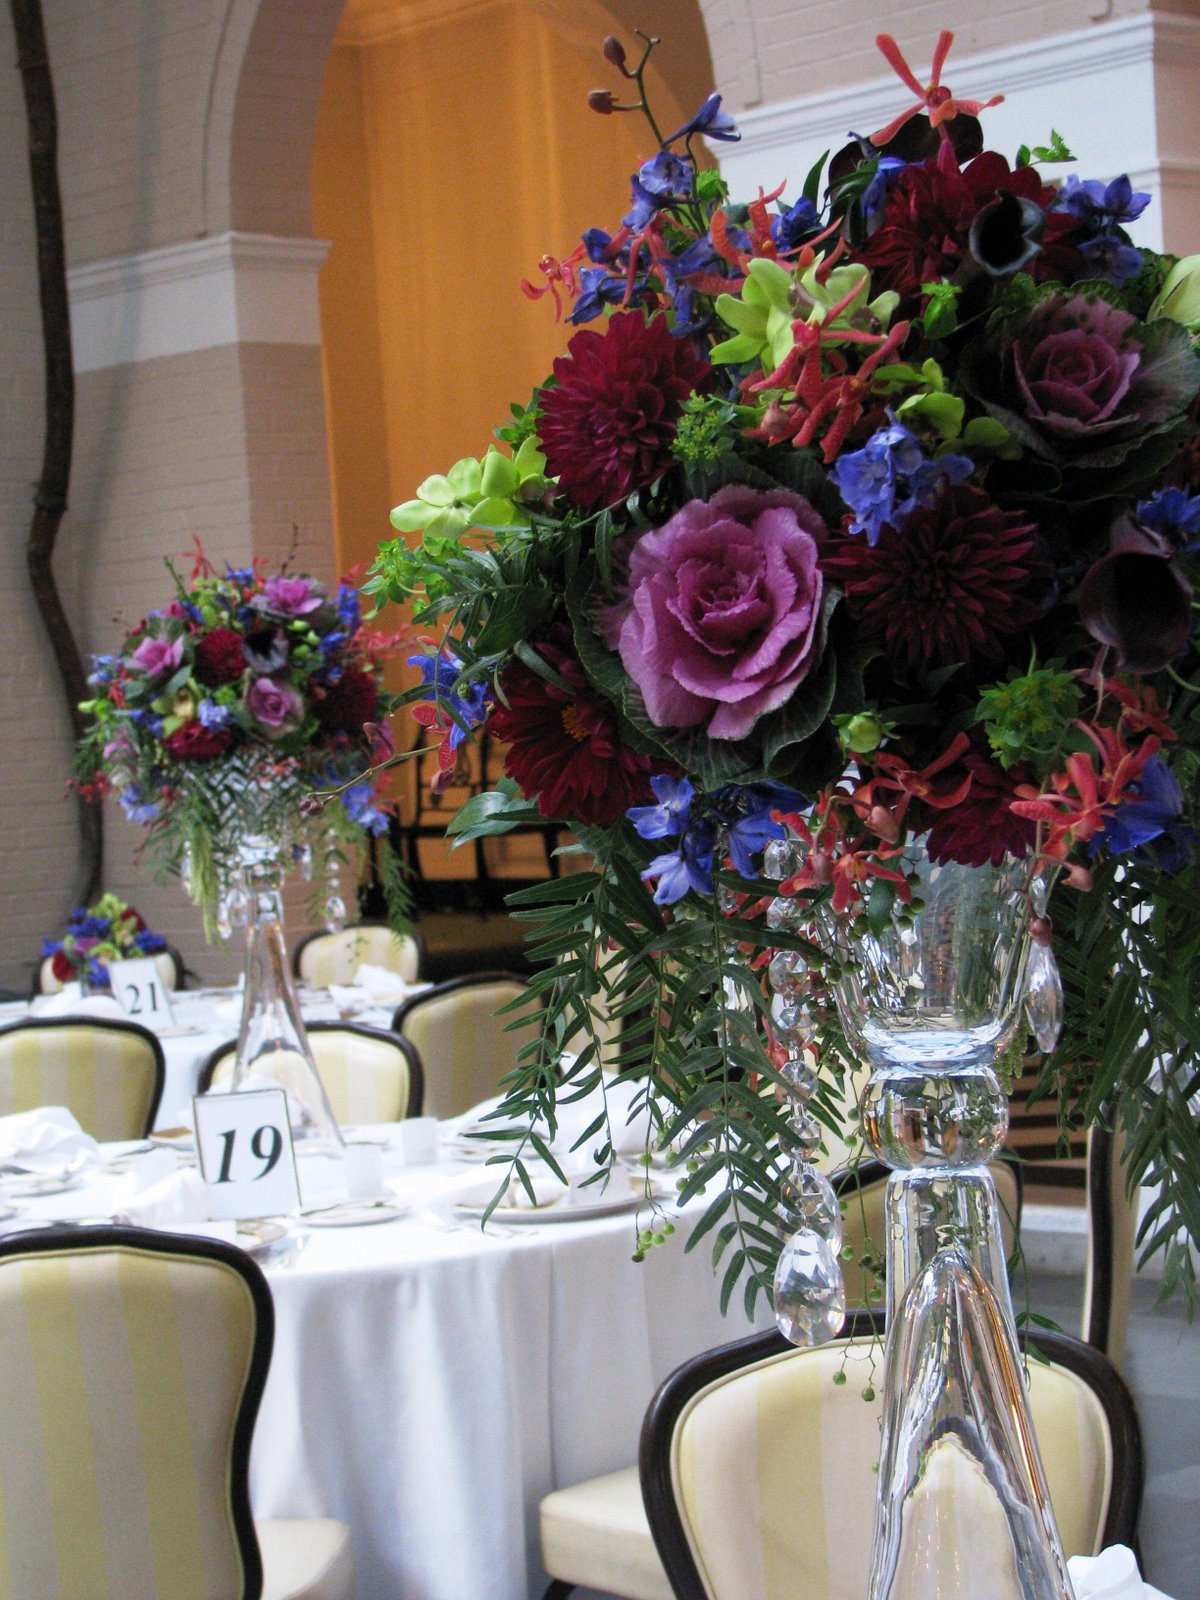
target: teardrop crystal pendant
810 1297
808 1200
1044 996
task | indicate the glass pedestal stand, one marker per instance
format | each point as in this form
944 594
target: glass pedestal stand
962 1510
273 1049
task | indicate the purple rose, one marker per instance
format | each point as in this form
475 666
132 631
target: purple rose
276 707
292 597
158 657
721 619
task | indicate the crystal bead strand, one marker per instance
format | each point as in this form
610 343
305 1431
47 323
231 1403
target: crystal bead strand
1043 981
809 1294
334 910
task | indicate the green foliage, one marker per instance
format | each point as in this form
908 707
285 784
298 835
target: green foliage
1024 717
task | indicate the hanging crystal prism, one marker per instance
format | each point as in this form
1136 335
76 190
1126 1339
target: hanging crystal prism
809 1295
1044 996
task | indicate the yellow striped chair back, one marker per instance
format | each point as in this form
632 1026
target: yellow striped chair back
758 1470
465 1048
325 958
369 1075
109 1075
167 962
131 1368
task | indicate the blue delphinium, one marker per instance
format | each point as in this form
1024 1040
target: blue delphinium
212 715
1151 828
885 481
135 808
794 224
741 813
1176 515
360 806
711 121
147 943
439 674
1103 208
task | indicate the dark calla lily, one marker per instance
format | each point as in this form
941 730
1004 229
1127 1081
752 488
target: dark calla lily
1136 600
266 650
1006 234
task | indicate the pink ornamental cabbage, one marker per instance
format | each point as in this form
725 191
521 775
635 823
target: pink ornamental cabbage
292 597
276 707
721 619
158 657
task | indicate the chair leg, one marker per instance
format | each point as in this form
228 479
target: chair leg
558 1590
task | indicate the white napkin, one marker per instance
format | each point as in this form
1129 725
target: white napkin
69 1005
1112 1575
45 1140
628 1137
173 1202
372 986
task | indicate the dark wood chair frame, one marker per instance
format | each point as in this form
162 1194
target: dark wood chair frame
363 922
466 980
148 1241
658 1429
105 1025
416 1072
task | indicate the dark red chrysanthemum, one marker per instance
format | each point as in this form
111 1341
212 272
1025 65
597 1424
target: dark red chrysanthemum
194 742
219 658
981 828
607 426
348 703
947 587
563 746
924 235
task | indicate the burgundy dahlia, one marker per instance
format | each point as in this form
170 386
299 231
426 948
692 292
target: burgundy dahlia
563 746
981 828
192 741
348 703
219 658
607 426
948 587
925 234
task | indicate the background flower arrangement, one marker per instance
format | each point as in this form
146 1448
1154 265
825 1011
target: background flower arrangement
107 931
868 514
223 710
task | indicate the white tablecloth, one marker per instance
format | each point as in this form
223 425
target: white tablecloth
429 1387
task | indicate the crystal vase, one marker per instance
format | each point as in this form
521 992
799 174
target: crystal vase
273 1049
930 1002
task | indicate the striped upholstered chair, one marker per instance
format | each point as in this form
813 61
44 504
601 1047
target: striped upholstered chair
108 1074
370 1075
132 1364
757 1480
324 958
465 1047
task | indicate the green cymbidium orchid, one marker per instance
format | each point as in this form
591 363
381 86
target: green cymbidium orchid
772 299
490 493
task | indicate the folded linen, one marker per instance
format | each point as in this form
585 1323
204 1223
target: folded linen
629 1128
173 1201
45 1140
68 1004
1112 1575
372 986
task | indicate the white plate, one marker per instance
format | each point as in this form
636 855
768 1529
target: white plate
174 1139
355 1214
625 1193
256 1238
33 1185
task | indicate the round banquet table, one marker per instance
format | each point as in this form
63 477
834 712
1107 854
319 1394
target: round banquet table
431 1383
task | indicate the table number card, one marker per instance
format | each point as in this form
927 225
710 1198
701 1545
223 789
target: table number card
246 1154
139 990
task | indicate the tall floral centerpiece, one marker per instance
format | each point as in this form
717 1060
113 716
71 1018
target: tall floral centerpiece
836 591
213 722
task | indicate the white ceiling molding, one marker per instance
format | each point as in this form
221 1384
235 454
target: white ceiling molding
1101 88
237 288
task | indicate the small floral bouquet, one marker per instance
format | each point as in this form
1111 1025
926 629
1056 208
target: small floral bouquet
222 711
108 931
858 515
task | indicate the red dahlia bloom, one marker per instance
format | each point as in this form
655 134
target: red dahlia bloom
981 828
948 587
62 966
219 658
349 702
607 426
563 746
930 208
194 742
